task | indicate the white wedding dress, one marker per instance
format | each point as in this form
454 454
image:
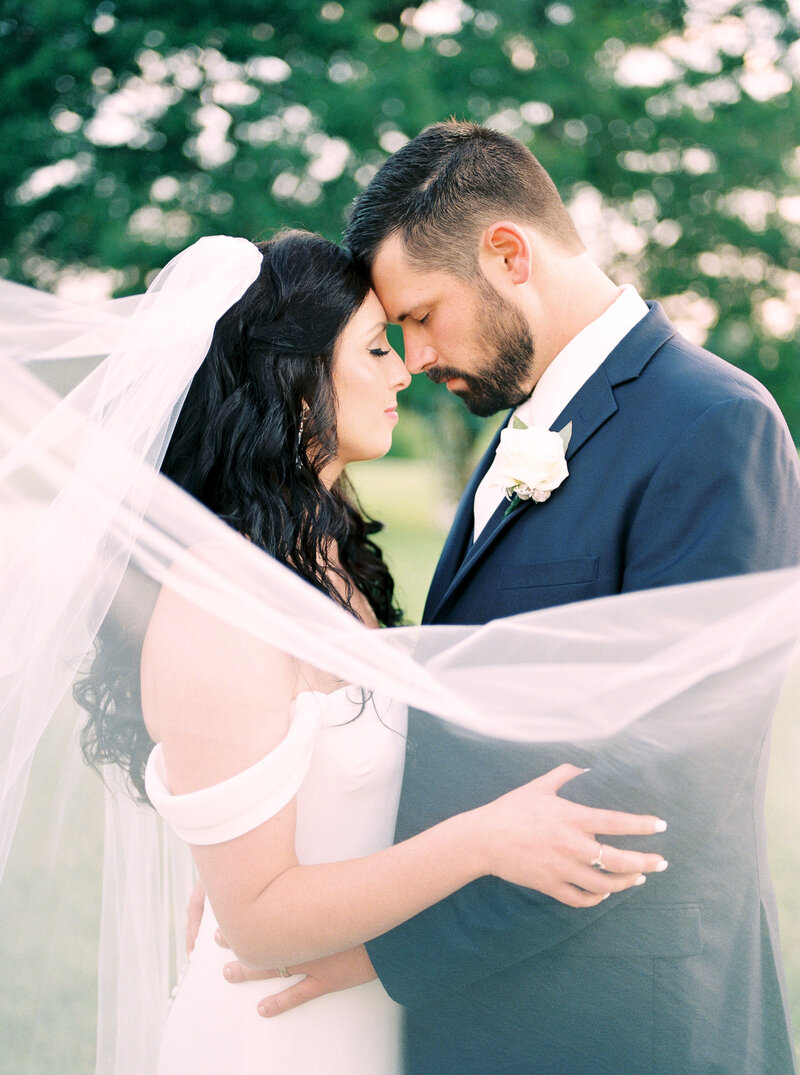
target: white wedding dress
343 757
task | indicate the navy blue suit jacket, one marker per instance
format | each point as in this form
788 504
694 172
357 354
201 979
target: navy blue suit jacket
681 469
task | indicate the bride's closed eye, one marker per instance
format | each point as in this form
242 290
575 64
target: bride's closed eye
378 352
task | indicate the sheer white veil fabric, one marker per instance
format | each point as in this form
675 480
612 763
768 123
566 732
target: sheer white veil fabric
90 532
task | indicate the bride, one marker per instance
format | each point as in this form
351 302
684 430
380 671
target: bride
283 778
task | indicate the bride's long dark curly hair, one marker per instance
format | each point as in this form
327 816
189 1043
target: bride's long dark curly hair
256 429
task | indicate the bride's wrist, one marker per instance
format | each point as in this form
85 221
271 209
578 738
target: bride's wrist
475 842
493 838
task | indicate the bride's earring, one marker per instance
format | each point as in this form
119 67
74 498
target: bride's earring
297 457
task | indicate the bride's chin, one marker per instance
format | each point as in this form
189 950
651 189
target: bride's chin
374 451
384 451
366 455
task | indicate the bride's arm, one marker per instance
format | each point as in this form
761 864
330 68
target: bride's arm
218 701
276 912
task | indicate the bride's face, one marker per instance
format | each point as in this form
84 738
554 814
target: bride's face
367 375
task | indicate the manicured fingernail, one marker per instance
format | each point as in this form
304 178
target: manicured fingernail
661 866
227 972
262 1010
605 897
660 826
640 880
587 770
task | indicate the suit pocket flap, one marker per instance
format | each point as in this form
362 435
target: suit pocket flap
647 931
550 573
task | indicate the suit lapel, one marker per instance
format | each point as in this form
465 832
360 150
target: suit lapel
589 409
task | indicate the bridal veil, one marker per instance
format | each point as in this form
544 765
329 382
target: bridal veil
89 532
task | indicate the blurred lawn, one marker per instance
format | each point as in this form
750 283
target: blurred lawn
407 496
49 901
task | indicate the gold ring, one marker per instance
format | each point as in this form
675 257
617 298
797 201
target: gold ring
284 973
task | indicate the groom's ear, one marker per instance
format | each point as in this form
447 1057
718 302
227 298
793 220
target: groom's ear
505 254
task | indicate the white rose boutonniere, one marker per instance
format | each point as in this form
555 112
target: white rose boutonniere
530 462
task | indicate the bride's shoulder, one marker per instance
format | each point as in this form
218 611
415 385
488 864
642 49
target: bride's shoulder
202 661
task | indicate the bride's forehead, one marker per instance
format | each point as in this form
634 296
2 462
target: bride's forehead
369 317
373 307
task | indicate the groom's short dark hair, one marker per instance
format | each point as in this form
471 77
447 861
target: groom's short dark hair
444 186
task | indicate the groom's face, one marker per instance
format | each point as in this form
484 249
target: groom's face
460 333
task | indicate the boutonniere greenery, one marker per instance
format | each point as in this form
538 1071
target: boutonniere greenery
530 462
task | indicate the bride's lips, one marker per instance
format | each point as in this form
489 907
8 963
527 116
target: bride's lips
391 414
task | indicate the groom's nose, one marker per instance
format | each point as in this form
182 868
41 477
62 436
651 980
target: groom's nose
419 357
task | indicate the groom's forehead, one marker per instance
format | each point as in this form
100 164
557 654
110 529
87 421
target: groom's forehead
399 283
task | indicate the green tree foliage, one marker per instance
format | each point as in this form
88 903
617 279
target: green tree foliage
670 127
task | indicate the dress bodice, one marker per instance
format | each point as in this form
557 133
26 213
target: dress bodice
342 757
347 803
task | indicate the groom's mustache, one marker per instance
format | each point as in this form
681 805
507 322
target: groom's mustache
440 374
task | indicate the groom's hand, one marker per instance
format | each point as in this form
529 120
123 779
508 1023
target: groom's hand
326 975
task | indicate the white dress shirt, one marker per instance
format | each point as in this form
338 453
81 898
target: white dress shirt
564 377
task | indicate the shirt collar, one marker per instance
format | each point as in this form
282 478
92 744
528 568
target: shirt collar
583 355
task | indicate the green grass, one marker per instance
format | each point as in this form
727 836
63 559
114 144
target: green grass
49 901
409 498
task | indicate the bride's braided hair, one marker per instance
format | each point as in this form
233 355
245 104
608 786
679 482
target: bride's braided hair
239 448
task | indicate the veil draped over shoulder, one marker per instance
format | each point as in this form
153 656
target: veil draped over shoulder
89 532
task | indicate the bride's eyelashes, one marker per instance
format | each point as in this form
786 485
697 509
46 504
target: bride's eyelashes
378 352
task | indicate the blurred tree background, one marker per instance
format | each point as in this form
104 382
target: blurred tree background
670 127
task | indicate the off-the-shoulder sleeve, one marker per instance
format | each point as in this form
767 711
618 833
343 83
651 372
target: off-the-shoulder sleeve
242 802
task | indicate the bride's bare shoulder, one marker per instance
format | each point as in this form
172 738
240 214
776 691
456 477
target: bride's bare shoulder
204 671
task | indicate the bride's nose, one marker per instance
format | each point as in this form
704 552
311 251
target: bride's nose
400 377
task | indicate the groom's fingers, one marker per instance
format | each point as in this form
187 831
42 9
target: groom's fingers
293 997
238 972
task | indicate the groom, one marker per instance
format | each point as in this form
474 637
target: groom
680 468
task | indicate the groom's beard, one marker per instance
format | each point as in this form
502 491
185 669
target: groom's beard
505 339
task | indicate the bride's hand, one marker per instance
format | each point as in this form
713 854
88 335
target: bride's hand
532 837
326 975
